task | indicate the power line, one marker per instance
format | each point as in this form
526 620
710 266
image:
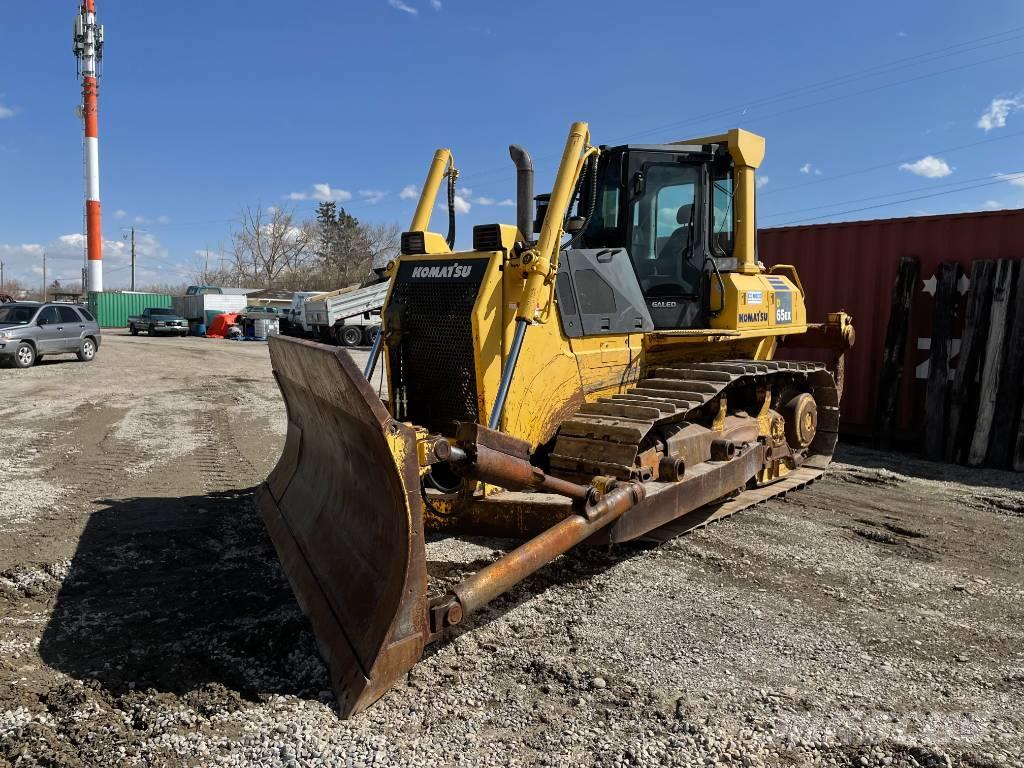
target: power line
891 163
892 194
896 64
893 202
926 57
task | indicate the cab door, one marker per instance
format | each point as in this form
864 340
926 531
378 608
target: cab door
667 234
49 333
72 327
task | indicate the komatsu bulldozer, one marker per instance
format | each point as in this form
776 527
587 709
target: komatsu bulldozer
603 370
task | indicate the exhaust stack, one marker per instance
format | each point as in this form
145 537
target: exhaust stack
524 189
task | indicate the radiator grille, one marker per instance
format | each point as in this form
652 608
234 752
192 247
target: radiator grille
433 380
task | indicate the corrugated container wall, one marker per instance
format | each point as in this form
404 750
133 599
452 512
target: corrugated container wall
112 309
851 266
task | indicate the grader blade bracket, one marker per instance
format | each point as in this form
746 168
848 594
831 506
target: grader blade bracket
343 510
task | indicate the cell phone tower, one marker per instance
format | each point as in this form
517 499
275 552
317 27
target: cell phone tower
87 44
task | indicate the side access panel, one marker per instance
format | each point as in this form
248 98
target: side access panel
598 293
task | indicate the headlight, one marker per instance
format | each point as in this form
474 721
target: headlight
160 322
6 334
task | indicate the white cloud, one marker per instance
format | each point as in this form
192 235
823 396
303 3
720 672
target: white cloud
901 34
140 220
1017 179
462 205
997 112
398 5
5 112
65 254
372 196
762 180
485 201
809 169
507 202
929 166
409 191
120 213
435 4
322 192
992 205
271 209
163 219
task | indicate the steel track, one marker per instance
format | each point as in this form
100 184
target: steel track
607 436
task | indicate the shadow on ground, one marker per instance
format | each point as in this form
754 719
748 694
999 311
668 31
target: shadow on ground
176 594
180 594
915 466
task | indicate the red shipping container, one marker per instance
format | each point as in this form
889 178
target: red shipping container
851 266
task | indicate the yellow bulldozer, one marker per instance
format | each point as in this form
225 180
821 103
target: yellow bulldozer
601 371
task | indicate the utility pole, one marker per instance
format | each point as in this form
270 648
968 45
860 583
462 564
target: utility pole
1 276
133 258
44 276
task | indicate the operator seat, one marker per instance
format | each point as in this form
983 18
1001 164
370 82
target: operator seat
675 261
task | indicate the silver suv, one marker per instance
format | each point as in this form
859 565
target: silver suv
29 330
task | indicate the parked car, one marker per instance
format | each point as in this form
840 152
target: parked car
29 330
158 320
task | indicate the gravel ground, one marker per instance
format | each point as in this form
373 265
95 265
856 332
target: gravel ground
875 618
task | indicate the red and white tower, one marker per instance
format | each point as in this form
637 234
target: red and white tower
88 47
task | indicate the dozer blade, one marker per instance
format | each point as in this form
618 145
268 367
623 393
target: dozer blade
344 512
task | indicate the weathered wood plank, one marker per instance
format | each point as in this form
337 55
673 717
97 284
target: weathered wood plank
1011 385
992 368
895 348
963 397
937 393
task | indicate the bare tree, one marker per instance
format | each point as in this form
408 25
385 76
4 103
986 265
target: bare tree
383 241
272 250
268 245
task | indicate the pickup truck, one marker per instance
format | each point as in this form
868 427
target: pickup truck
157 320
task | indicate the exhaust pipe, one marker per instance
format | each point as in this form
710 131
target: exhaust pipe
524 189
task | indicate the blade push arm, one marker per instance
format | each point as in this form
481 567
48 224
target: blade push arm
540 263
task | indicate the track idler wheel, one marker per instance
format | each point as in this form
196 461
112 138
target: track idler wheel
801 414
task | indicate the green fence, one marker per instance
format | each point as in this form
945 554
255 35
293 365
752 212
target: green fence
112 309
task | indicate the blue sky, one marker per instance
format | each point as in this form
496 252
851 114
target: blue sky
209 106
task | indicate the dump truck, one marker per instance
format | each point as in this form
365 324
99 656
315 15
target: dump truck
602 371
294 322
348 316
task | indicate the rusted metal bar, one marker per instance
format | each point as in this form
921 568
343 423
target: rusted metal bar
500 576
497 458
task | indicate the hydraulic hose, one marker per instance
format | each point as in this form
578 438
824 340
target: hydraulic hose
591 174
452 175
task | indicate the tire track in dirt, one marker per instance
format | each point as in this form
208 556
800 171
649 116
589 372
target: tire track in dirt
221 463
97 468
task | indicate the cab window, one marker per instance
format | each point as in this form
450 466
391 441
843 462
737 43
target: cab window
723 214
48 316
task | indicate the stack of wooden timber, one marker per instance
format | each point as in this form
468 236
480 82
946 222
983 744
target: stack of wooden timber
974 414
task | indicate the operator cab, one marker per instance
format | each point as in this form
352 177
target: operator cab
667 212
